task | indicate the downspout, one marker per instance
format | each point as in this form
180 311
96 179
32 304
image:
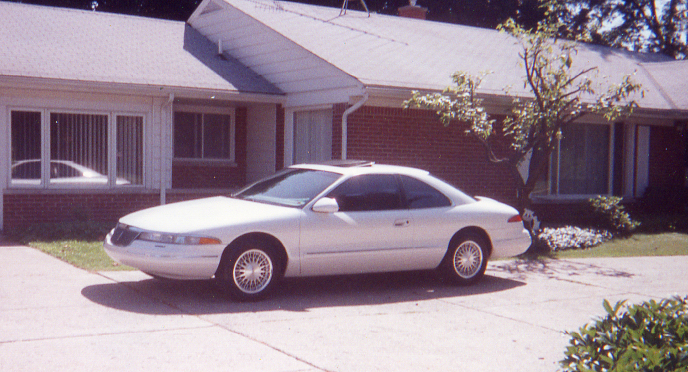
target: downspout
163 189
345 123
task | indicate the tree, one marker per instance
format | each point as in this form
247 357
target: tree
658 26
561 93
480 13
179 10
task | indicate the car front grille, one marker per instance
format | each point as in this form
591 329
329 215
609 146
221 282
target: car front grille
123 235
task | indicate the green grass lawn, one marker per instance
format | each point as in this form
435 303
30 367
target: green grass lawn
662 244
89 255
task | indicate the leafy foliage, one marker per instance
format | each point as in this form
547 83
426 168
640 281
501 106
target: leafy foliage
638 25
479 13
179 10
652 336
611 214
561 93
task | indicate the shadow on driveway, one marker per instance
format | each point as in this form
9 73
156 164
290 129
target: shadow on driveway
202 297
560 268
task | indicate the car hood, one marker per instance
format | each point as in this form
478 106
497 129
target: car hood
206 214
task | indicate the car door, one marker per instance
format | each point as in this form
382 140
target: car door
433 222
371 232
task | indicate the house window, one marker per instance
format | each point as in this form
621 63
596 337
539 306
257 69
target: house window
130 149
78 148
582 161
208 136
26 147
75 149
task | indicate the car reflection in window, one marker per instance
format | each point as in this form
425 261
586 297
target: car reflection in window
60 172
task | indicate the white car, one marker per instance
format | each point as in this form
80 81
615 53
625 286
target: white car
313 220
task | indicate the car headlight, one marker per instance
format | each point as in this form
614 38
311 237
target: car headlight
177 239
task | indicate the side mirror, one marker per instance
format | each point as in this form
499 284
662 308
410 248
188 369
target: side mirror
326 205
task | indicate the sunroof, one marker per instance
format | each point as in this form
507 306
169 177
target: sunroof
348 163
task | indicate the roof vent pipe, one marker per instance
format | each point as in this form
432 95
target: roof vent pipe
219 47
345 122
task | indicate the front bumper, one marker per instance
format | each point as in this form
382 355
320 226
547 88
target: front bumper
167 260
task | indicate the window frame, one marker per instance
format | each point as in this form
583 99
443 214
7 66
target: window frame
205 110
46 156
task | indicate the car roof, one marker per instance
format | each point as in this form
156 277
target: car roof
355 167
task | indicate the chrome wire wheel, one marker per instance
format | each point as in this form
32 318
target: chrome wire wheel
468 259
252 271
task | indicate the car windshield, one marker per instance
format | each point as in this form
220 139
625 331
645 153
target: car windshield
290 187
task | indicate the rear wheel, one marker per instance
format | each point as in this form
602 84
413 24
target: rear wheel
250 271
466 260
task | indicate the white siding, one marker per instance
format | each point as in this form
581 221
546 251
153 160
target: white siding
289 66
260 141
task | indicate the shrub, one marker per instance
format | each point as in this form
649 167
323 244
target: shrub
610 215
652 337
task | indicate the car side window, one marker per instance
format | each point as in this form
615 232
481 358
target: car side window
369 192
421 195
27 171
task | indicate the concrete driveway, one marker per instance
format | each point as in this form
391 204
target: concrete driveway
54 317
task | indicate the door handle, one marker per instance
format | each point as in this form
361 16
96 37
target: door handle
402 223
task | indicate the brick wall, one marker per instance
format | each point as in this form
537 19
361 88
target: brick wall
279 138
25 209
204 176
667 157
417 138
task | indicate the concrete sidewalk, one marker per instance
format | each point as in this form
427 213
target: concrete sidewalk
54 317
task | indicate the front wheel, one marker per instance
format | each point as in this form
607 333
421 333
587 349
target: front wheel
249 272
466 259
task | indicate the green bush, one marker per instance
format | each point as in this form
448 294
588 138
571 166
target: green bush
649 337
608 214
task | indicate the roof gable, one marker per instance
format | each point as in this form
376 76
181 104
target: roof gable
396 52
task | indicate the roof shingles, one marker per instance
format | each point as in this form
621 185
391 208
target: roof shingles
66 44
382 50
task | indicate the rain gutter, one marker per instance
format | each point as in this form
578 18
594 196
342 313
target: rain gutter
163 189
345 121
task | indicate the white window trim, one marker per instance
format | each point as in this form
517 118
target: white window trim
45 149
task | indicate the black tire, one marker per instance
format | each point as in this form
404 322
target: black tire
250 271
466 260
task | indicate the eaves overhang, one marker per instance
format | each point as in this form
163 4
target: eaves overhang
81 86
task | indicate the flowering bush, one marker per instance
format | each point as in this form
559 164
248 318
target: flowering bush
571 237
